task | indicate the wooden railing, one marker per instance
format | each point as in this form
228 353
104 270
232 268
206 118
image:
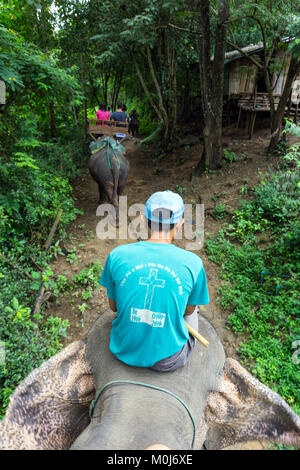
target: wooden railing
252 103
107 128
256 101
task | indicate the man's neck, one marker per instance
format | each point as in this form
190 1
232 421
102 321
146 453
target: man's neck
160 237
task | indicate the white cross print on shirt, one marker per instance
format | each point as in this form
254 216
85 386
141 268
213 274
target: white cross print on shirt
151 282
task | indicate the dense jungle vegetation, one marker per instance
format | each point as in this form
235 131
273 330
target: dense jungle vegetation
59 60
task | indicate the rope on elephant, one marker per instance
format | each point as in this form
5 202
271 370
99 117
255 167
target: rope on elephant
109 145
118 382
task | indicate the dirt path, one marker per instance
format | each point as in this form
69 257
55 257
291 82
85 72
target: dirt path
147 175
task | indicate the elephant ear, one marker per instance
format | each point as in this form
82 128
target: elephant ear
50 408
243 409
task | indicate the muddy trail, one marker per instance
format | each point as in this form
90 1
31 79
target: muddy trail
147 175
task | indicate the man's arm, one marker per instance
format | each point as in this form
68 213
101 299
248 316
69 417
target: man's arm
190 309
112 305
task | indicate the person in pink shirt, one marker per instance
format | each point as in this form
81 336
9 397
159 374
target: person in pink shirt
102 113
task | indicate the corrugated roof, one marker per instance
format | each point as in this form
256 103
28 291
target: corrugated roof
251 49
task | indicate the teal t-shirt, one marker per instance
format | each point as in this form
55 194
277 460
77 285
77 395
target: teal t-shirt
152 283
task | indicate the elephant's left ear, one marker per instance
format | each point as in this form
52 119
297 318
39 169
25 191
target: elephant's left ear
243 409
50 408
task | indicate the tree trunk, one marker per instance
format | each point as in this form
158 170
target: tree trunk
84 103
212 82
116 89
186 99
173 87
69 59
106 78
146 90
278 115
166 125
94 91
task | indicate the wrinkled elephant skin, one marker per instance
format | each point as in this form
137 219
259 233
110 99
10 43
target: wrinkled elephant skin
110 173
50 409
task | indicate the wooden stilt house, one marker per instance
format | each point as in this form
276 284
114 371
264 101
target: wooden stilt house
245 86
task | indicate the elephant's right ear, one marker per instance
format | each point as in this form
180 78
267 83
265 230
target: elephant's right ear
50 408
243 409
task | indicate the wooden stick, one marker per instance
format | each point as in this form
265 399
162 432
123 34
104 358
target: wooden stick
49 239
197 335
43 295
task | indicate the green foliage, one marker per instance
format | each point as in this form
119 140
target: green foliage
220 211
180 189
291 156
291 128
24 65
215 197
229 156
30 200
278 196
264 308
88 276
40 156
147 118
268 323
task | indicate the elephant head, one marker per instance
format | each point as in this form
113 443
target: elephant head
50 408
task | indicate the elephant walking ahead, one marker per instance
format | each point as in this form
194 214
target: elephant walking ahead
109 168
211 402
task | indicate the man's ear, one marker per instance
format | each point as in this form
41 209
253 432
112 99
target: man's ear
50 408
178 226
243 409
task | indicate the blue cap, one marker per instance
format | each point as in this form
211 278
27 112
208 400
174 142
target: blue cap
165 200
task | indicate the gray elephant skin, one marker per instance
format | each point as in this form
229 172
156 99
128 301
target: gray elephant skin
212 402
110 173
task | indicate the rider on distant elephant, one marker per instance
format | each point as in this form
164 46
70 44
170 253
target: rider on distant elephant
102 113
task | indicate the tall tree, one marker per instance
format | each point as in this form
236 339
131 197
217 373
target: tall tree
211 77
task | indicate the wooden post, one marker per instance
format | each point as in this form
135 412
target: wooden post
239 117
254 101
252 122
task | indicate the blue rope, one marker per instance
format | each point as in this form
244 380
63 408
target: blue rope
115 382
